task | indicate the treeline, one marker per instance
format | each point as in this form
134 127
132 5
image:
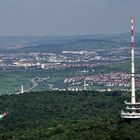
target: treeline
66 116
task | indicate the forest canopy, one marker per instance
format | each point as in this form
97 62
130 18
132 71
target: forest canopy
67 115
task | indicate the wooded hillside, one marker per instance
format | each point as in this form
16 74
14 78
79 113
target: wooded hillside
66 116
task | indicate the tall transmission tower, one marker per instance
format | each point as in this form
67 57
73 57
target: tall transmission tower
85 84
22 89
132 110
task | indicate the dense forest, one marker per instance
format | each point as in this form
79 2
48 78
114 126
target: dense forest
54 115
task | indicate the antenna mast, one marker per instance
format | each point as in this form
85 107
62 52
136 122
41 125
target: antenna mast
132 111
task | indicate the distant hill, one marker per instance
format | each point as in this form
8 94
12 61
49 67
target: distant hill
82 44
123 37
59 43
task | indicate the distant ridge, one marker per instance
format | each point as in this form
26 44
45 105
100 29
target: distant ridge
76 42
123 37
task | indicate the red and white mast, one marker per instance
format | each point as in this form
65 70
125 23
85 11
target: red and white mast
133 98
132 110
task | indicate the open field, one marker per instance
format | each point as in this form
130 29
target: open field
11 83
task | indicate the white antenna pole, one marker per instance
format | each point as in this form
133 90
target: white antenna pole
133 98
22 90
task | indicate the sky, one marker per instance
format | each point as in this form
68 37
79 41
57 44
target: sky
67 17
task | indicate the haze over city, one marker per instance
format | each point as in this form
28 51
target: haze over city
63 17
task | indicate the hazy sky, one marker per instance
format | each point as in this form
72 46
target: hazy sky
67 17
